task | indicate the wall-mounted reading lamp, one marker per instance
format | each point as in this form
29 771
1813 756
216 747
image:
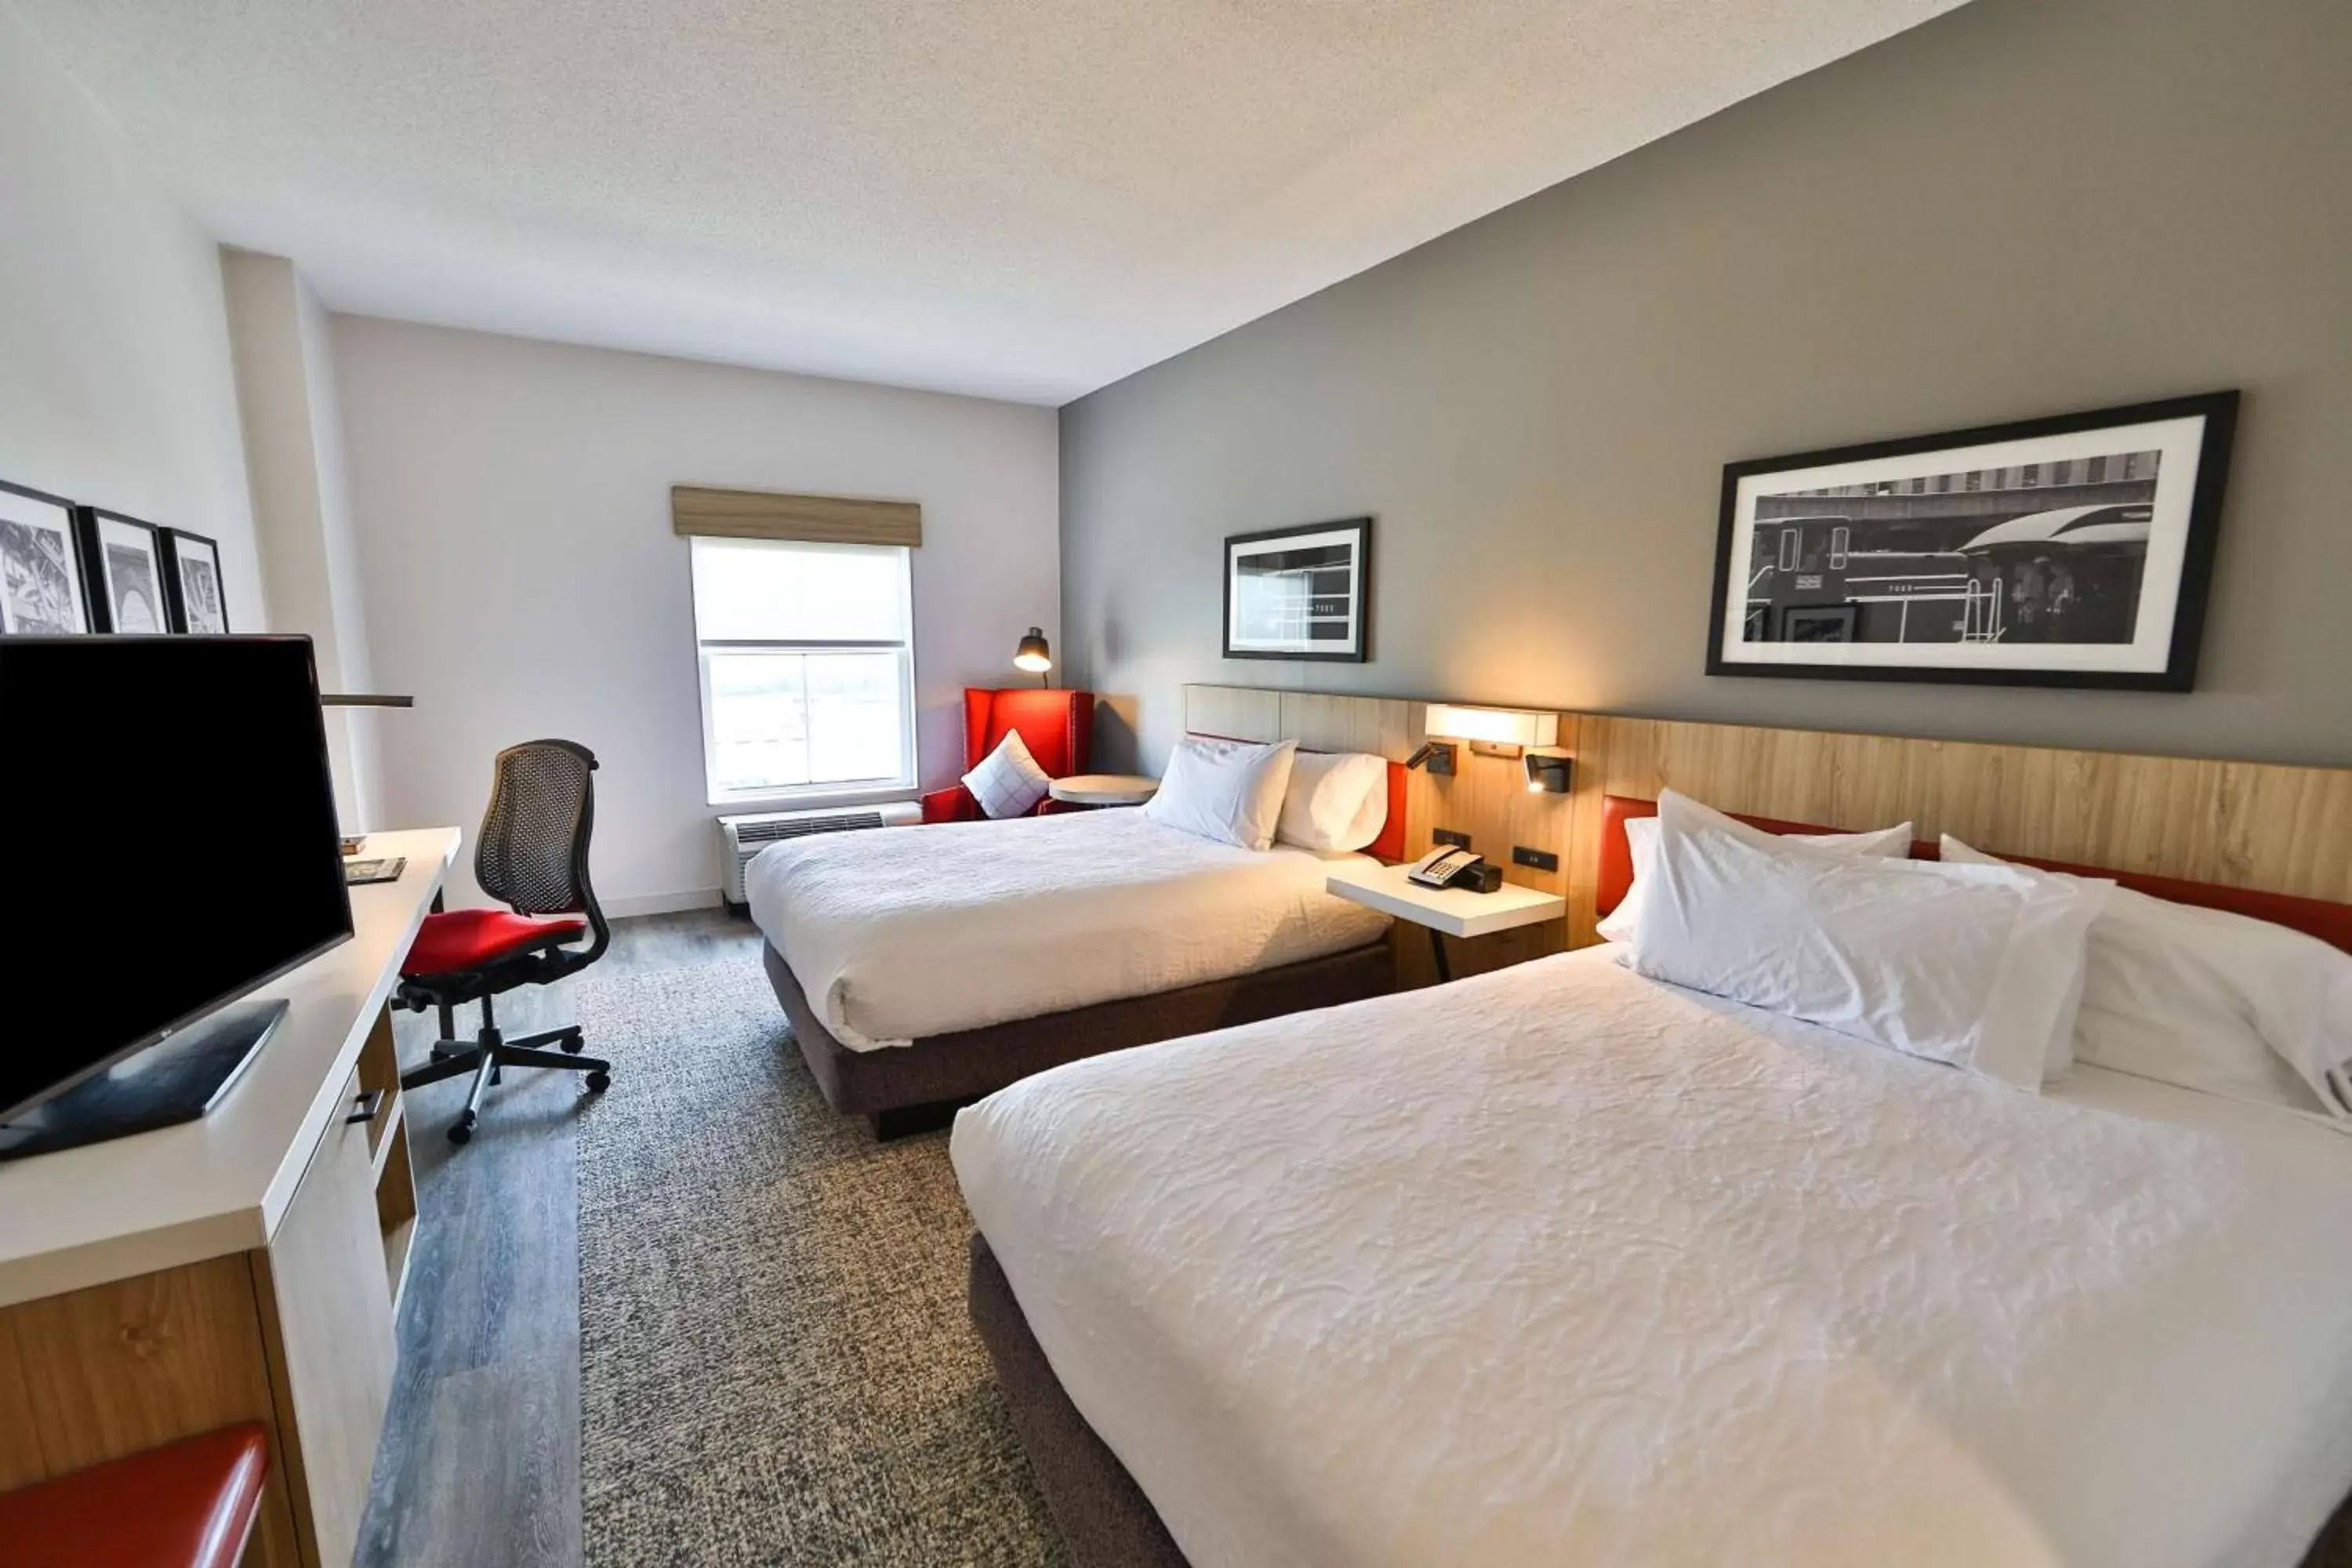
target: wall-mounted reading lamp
1034 654
1527 733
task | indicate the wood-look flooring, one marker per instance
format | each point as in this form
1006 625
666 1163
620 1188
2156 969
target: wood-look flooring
480 1457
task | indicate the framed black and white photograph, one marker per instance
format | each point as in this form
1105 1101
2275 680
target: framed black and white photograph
2072 551
129 579
193 576
42 590
1300 592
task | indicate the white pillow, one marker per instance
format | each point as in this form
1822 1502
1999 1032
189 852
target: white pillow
2219 1002
1972 965
1330 799
1227 790
1008 782
1642 838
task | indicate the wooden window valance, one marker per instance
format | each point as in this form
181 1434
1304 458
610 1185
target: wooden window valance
810 520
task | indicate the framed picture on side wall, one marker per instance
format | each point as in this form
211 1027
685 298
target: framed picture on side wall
1300 593
2072 551
192 577
42 587
129 579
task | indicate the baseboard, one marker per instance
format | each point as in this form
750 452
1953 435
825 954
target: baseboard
662 903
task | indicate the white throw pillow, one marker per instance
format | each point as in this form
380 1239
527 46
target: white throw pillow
2219 1002
1008 782
1641 838
1227 790
1324 806
1972 965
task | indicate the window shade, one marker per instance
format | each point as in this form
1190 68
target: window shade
697 510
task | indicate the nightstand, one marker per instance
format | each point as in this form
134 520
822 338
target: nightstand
1446 911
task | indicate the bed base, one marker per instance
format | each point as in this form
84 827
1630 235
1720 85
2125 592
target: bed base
917 1087
1104 1516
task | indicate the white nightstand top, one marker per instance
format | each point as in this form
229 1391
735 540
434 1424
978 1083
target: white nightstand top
1104 789
1456 911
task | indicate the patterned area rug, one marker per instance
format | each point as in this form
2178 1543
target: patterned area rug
775 1363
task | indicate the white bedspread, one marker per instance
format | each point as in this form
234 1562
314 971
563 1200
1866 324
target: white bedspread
903 932
1562 1265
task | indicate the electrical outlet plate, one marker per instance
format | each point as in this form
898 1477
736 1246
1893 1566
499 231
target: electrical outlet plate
1447 836
1535 860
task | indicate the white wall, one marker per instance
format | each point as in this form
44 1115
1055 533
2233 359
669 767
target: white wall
512 501
115 386
301 506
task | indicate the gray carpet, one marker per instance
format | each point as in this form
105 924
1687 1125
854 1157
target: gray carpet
775 1363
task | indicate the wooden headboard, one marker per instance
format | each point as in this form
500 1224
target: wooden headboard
2241 825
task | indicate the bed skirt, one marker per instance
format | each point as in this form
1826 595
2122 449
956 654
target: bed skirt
962 1066
1104 1518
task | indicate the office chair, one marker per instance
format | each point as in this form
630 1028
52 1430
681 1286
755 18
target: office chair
532 855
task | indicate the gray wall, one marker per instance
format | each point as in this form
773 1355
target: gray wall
2019 209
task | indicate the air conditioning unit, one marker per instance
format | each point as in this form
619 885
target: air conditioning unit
744 836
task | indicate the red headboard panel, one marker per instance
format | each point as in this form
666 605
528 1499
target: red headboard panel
2331 923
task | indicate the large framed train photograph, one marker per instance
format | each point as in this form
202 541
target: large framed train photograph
2072 550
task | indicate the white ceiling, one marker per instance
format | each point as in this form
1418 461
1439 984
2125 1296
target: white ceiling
1018 199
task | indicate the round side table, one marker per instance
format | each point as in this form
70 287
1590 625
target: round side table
1104 789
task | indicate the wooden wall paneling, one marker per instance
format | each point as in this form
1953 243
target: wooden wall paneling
117 1368
1239 713
2250 825
20 1449
1384 726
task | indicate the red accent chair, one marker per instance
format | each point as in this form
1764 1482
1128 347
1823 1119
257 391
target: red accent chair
190 1504
1059 728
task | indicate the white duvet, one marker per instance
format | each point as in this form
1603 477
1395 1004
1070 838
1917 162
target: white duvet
905 932
1563 1266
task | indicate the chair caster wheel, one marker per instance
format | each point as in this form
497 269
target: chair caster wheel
461 1132
598 1083
571 1045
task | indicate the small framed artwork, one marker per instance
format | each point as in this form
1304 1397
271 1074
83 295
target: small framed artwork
43 590
1300 593
192 574
2072 551
129 576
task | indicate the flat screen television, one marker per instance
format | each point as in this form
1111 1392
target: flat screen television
172 844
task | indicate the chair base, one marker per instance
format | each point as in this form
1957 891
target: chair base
488 1053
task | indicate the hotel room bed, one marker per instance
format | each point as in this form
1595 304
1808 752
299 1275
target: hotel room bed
1561 1263
933 964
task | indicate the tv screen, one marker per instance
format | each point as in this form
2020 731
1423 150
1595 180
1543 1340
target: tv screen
170 840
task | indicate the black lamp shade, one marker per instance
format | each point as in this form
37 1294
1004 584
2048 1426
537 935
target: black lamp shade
1033 654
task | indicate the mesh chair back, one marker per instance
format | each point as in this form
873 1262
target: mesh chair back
532 852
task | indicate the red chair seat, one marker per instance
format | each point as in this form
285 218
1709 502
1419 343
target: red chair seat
190 1504
461 940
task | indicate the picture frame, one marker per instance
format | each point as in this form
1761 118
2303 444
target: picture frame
44 576
2072 551
127 578
1300 593
192 583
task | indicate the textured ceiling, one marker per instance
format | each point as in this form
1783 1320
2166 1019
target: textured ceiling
1020 198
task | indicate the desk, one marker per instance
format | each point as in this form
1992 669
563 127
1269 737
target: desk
244 1267
1446 911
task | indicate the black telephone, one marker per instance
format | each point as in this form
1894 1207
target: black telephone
1450 866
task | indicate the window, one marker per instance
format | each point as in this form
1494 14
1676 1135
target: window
1791 542
808 670
1839 537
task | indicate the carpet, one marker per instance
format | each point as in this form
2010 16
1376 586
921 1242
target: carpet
775 1363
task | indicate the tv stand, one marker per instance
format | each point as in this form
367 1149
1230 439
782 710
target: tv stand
177 1079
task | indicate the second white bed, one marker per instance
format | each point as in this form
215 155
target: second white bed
908 933
1562 1265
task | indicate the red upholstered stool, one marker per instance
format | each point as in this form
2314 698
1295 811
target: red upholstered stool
191 1504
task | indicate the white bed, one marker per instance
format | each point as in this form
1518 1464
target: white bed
900 934
1561 1264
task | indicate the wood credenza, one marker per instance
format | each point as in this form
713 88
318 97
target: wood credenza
244 1268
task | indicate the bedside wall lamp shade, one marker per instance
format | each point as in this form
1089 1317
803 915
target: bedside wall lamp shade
1493 726
1034 654
1549 770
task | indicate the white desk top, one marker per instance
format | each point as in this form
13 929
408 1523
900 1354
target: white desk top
203 1189
1456 911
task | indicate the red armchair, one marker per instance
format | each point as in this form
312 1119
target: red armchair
1059 728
